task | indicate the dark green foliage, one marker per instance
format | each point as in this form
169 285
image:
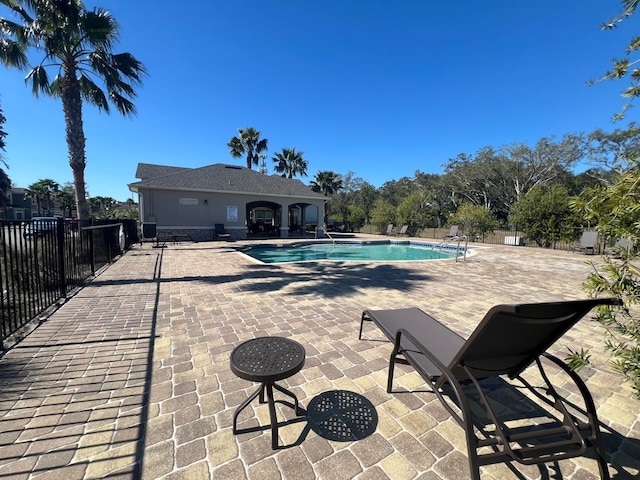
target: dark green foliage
545 215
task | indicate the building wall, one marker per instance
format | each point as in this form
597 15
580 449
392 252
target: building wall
19 208
175 211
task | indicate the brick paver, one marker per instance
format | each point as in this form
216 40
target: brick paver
130 378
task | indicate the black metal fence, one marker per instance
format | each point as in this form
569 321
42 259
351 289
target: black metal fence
513 237
43 260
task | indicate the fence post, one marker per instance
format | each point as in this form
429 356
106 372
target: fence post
62 274
91 251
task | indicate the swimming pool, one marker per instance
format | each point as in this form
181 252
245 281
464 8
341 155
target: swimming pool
352 251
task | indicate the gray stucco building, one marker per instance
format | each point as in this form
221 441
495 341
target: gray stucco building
190 201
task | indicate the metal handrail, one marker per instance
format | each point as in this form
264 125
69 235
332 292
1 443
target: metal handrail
326 233
458 239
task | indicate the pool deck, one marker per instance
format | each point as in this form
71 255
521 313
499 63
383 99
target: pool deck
130 378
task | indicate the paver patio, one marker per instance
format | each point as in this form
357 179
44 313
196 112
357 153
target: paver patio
130 378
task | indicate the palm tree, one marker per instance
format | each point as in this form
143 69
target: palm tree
5 181
248 142
42 191
66 199
102 205
79 44
326 182
290 163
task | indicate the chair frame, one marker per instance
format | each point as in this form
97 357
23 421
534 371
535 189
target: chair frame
575 435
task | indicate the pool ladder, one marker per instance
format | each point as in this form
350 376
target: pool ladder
458 239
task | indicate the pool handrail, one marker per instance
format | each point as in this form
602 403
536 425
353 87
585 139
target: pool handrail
458 238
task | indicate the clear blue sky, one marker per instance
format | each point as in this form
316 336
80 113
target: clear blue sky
381 88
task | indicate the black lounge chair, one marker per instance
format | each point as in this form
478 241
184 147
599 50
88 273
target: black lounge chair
220 232
509 339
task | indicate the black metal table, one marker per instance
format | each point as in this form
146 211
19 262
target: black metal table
267 360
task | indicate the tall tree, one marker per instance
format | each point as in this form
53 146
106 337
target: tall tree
496 179
101 206
78 43
618 150
66 198
545 214
248 142
290 163
43 191
3 134
326 182
5 181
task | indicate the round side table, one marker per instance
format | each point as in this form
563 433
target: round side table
267 360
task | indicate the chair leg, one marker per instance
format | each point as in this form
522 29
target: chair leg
273 417
259 391
363 319
392 364
270 400
291 394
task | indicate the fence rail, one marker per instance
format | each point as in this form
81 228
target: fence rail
43 260
513 237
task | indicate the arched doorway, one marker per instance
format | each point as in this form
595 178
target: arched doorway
264 219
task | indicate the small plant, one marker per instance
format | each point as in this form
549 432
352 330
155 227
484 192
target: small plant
578 360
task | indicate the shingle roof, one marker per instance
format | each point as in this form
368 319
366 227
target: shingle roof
149 170
220 178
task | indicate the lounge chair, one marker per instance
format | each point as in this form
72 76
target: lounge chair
509 339
624 245
221 233
390 229
588 243
403 230
453 233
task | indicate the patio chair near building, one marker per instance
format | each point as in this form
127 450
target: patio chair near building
389 229
403 230
508 426
221 233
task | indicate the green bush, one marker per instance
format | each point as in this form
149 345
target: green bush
616 210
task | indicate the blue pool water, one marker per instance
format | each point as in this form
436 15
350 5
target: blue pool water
350 252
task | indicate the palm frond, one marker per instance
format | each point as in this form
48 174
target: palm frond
55 89
236 148
39 80
100 62
123 104
101 29
92 93
17 8
124 88
12 54
129 66
261 146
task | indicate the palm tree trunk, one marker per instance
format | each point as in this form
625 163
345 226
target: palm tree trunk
72 106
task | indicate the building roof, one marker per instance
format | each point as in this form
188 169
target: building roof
149 170
219 178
